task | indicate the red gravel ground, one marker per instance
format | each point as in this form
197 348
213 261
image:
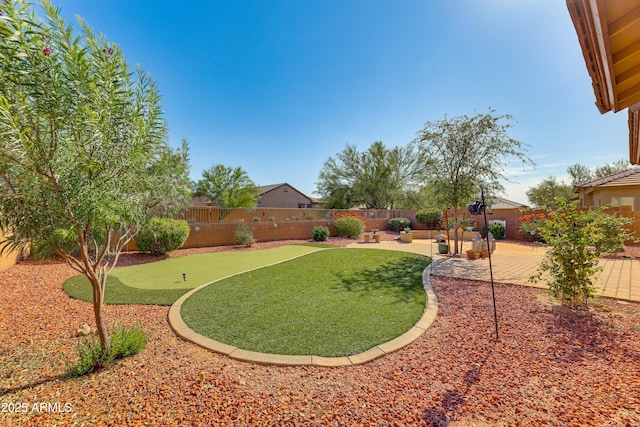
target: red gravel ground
549 367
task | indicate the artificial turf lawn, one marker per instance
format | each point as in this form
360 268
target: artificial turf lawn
335 302
162 283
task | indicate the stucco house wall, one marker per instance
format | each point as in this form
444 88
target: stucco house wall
283 196
621 189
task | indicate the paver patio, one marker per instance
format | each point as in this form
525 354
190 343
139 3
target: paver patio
514 264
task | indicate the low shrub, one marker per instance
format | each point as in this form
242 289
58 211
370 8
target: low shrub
255 219
90 358
320 234
310 217
244 235
125 342
162 235
429 216
577 239
349 226
397 224
272 219
497 230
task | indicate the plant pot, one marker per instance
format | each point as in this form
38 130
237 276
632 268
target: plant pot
443 248
406 237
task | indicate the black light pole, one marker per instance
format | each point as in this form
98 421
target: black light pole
493 292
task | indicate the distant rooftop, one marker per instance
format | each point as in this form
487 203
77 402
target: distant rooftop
624 178
502 203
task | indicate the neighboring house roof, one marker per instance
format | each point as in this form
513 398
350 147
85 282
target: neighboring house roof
630 177
502 203
203 201
610 41
267 188
200 201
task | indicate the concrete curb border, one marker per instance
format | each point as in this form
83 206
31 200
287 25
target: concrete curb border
182 330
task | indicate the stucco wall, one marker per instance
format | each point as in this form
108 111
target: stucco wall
279 198
602 196
7 259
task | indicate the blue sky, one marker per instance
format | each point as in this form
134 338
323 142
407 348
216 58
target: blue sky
279 86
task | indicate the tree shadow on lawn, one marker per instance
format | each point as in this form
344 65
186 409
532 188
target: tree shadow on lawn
116 292
401 279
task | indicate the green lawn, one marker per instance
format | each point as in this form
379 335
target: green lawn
162 283
328 303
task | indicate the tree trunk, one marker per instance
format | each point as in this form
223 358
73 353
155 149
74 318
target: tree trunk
98 305
455 230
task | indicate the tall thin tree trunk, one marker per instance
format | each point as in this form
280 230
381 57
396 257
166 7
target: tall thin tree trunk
98 306
455 229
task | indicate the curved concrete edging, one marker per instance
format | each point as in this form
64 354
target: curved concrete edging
428 316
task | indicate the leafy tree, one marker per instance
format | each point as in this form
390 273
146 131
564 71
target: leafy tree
546 194
577 239
227 187
84 159
611 169
579 174
467 154
377 178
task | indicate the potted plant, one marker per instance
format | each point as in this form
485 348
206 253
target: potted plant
406 236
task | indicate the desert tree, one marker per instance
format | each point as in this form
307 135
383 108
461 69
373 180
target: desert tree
548 192
467 155
227 187
377 178
581 174
84 156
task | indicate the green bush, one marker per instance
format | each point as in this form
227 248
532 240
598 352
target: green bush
90 358
244 235
43 249
320 234
310 217
429 216
255 219
125 342
397 224
162 235
272 219
576 239
497 230
349 226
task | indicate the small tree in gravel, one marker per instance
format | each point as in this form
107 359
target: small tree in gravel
84 157
467 155
577 239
